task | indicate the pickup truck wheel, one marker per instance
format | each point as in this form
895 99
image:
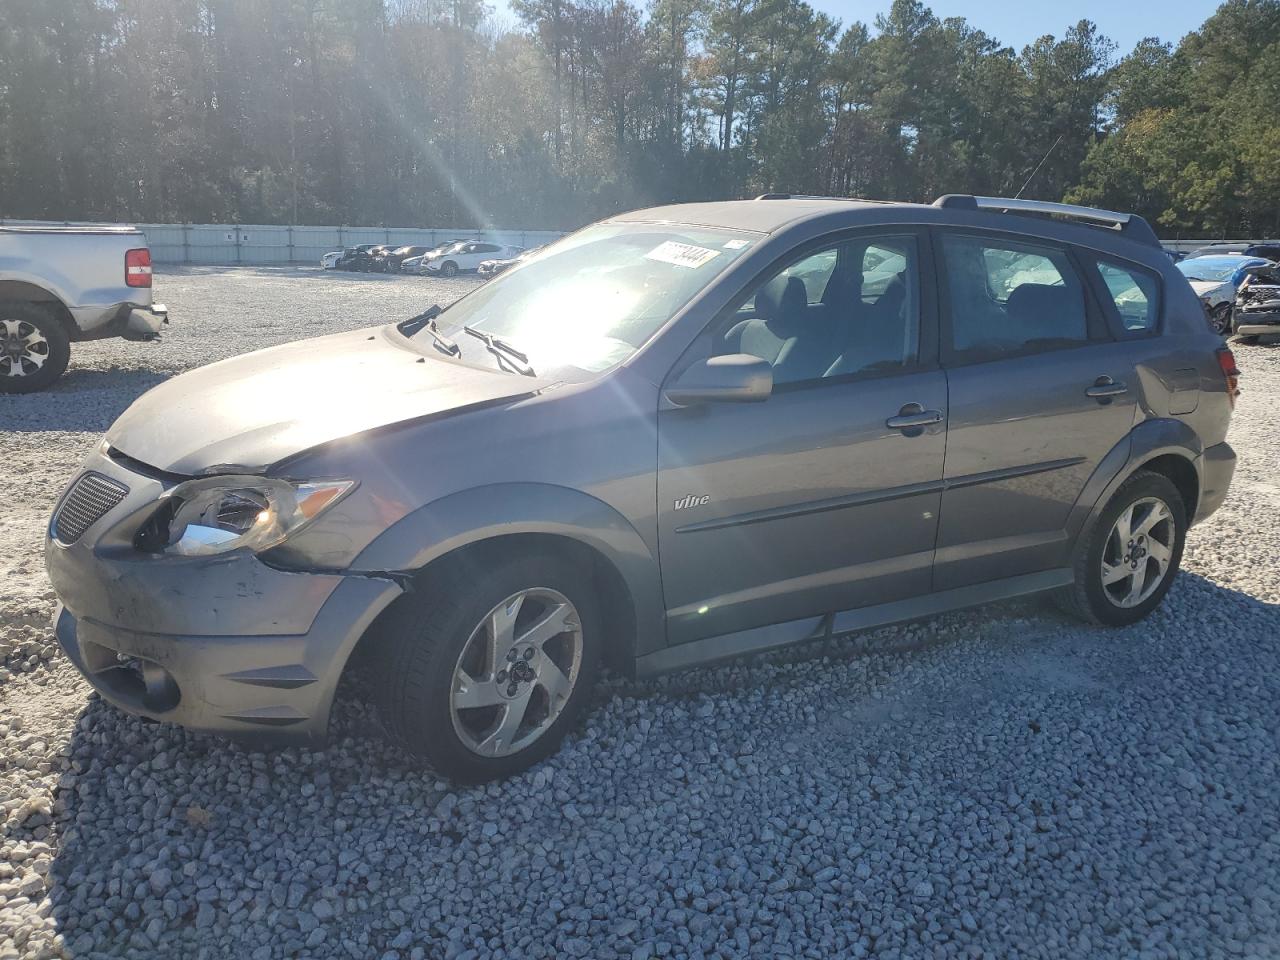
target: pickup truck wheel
1127 560
34 348
483 675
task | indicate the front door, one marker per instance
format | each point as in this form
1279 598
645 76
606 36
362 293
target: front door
1039 393
826 495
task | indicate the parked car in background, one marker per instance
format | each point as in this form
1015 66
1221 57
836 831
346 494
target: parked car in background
1257 306
356 258
411 265
1267 249
491 268
682 434
437 250
1214 279
64 284
394 259
464 257
378 257
330 260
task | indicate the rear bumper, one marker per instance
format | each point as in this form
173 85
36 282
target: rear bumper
1217 466
130 321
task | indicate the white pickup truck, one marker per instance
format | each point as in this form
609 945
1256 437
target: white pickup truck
64 284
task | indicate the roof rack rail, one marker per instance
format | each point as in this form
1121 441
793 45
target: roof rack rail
1130 224
815 196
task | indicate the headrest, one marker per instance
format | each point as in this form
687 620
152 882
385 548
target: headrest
769 298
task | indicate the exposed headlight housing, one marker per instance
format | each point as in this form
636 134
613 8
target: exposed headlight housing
214 515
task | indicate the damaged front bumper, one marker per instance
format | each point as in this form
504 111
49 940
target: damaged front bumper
225 644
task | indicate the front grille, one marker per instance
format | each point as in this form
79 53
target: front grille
87 501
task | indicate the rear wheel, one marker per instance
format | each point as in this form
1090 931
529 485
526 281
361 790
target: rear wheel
1128 559
483 677
34 348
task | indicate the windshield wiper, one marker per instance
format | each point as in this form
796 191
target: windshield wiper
501 349
427 321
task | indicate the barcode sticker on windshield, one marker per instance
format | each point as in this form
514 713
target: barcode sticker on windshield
681 254
735 244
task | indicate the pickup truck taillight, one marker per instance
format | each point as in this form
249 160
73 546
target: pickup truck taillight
1230 372
137 267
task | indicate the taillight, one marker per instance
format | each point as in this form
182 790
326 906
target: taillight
1230 373
137 267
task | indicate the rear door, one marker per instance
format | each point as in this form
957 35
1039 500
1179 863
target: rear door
824 496
1039 391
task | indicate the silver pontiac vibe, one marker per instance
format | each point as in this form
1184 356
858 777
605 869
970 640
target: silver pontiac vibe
678 435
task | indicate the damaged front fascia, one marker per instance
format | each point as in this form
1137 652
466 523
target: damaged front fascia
404 580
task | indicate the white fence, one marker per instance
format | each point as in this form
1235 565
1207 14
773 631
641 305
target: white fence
227 245
223 244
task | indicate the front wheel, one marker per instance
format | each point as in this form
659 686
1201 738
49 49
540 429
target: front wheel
1127 561
1220 319
450 269
34 348
484 676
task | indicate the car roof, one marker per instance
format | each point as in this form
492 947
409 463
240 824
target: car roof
759 216
1116 233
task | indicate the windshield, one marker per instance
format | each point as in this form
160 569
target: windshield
1213 268
591 300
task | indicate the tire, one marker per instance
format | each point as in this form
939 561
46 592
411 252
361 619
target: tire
34 347
1220 319
1117 604
435 649
449 269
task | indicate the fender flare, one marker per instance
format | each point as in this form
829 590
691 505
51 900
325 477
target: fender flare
1148 440
474 515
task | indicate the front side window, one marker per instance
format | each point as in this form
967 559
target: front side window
1007 297
1135 294
849 308
593 299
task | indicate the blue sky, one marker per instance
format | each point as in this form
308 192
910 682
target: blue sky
1016 23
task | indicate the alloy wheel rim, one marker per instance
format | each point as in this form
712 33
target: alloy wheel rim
1138 552
23 348
516 672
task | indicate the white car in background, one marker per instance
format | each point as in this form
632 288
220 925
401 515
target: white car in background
466 256
1215 279
330 260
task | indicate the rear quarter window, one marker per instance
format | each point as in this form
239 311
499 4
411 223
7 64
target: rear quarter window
1134 293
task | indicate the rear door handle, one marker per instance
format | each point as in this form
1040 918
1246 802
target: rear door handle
1105 387
913 416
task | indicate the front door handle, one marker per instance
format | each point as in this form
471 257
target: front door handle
913 416
1105 387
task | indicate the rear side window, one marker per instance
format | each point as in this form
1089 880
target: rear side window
1135 293
1008 297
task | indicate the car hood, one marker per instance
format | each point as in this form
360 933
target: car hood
248 412
1211 288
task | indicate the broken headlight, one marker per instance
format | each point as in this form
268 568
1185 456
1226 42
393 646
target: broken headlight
215 515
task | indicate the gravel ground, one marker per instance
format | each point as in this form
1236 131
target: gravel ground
1001 783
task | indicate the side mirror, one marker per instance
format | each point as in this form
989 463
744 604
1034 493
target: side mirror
735 378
